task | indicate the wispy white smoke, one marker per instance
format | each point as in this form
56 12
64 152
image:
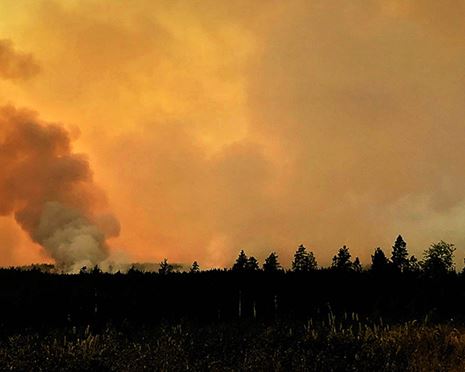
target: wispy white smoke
69 237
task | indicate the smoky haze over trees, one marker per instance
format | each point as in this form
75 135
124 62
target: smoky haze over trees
235 124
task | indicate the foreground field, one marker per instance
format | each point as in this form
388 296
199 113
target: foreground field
346 345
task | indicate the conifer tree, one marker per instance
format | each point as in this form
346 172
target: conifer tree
271 263
252 264
379 261
400 254
342 261
304 261
241 262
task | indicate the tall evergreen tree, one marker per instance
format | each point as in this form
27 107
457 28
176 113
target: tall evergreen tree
342 261
271 263
252 264
304 261
400 254
379 261
357 266
241 262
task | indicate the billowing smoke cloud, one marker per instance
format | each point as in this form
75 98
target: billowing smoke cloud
14 64
50 191
259 125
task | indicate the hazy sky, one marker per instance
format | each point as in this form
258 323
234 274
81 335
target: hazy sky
215 126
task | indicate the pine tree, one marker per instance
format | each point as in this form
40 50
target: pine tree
241 262
400 254
379 261
271 263
304 261
341 261
252 264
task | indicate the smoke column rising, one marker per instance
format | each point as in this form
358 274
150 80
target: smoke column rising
50 191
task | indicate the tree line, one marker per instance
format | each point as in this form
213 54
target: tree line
396 286
438 259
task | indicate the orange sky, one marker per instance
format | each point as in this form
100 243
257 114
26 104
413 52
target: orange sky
215 126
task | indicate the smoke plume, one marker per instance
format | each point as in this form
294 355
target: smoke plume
50 191
14 64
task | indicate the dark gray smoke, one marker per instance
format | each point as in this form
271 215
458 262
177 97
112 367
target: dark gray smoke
50 191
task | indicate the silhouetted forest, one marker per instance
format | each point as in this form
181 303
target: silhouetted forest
394 288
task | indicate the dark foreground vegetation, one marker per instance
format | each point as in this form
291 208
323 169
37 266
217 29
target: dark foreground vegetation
336 345
397 314
35 300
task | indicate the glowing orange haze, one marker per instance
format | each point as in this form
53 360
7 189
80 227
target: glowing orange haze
215 126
